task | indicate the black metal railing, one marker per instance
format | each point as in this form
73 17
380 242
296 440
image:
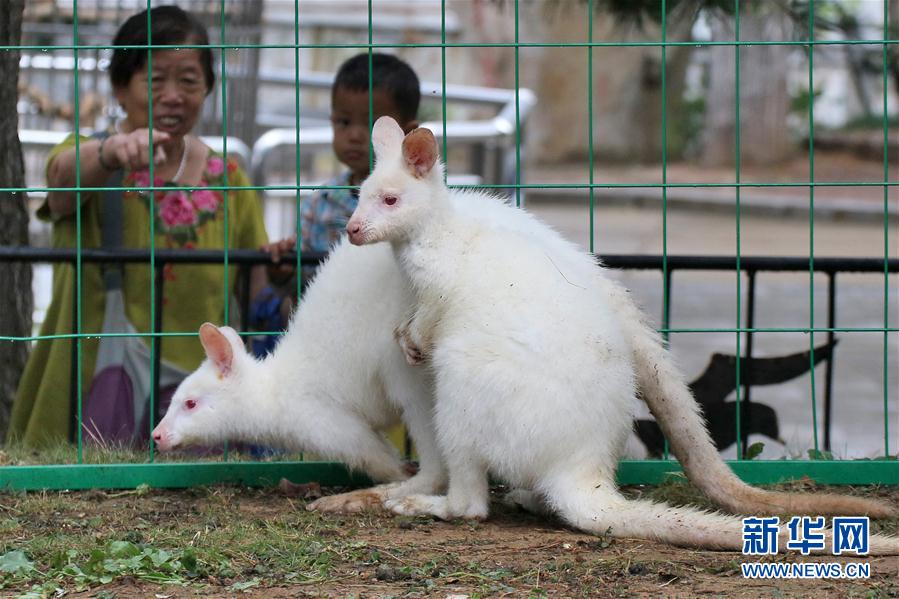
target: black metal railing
751 266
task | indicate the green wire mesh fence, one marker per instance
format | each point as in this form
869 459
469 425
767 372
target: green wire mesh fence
154 472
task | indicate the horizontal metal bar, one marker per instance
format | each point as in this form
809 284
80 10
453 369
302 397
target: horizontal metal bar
260 474
828 472
174 475
802 330
34 254
365 45
506 186
825 264
751 263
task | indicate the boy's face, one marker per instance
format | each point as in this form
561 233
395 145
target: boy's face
349 120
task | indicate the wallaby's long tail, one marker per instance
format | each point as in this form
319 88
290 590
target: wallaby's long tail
679 416
604 511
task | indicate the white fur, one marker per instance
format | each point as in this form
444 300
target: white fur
537 356
335 380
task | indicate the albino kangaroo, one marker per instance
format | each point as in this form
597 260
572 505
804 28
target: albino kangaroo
537 357
334 381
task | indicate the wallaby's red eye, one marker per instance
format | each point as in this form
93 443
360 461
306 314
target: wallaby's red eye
190 404
390 200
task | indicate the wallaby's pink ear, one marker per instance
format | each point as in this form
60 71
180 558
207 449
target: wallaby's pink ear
386 136
234 337
218 347
420 152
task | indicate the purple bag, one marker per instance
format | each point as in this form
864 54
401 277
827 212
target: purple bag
116 410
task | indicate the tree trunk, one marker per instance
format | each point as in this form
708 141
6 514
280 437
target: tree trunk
16 299
764 99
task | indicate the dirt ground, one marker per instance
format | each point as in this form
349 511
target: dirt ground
263 543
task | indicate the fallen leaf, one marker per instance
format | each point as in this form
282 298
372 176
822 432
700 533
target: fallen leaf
304 490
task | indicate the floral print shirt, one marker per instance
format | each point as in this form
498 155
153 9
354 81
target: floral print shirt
180 214
324 215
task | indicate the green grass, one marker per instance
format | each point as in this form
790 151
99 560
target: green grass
62 452
223 540
61 540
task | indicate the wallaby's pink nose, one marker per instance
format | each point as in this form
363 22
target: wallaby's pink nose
354 232
161 443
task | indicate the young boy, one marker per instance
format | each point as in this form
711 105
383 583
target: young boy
395 92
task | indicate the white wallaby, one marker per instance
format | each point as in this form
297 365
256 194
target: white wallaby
537 356
333 383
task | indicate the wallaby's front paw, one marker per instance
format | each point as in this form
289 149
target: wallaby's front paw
414 355
348 503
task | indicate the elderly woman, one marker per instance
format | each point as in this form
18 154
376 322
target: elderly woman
178 81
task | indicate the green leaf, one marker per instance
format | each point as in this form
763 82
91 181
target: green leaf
159 557
123 549
97 556
242 586
754 450
189 562
816 454
14 562
72 570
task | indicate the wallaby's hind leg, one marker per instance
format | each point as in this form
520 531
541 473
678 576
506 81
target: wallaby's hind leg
373 498
353 501
353 441
468 495
381 463
411 394
431 477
